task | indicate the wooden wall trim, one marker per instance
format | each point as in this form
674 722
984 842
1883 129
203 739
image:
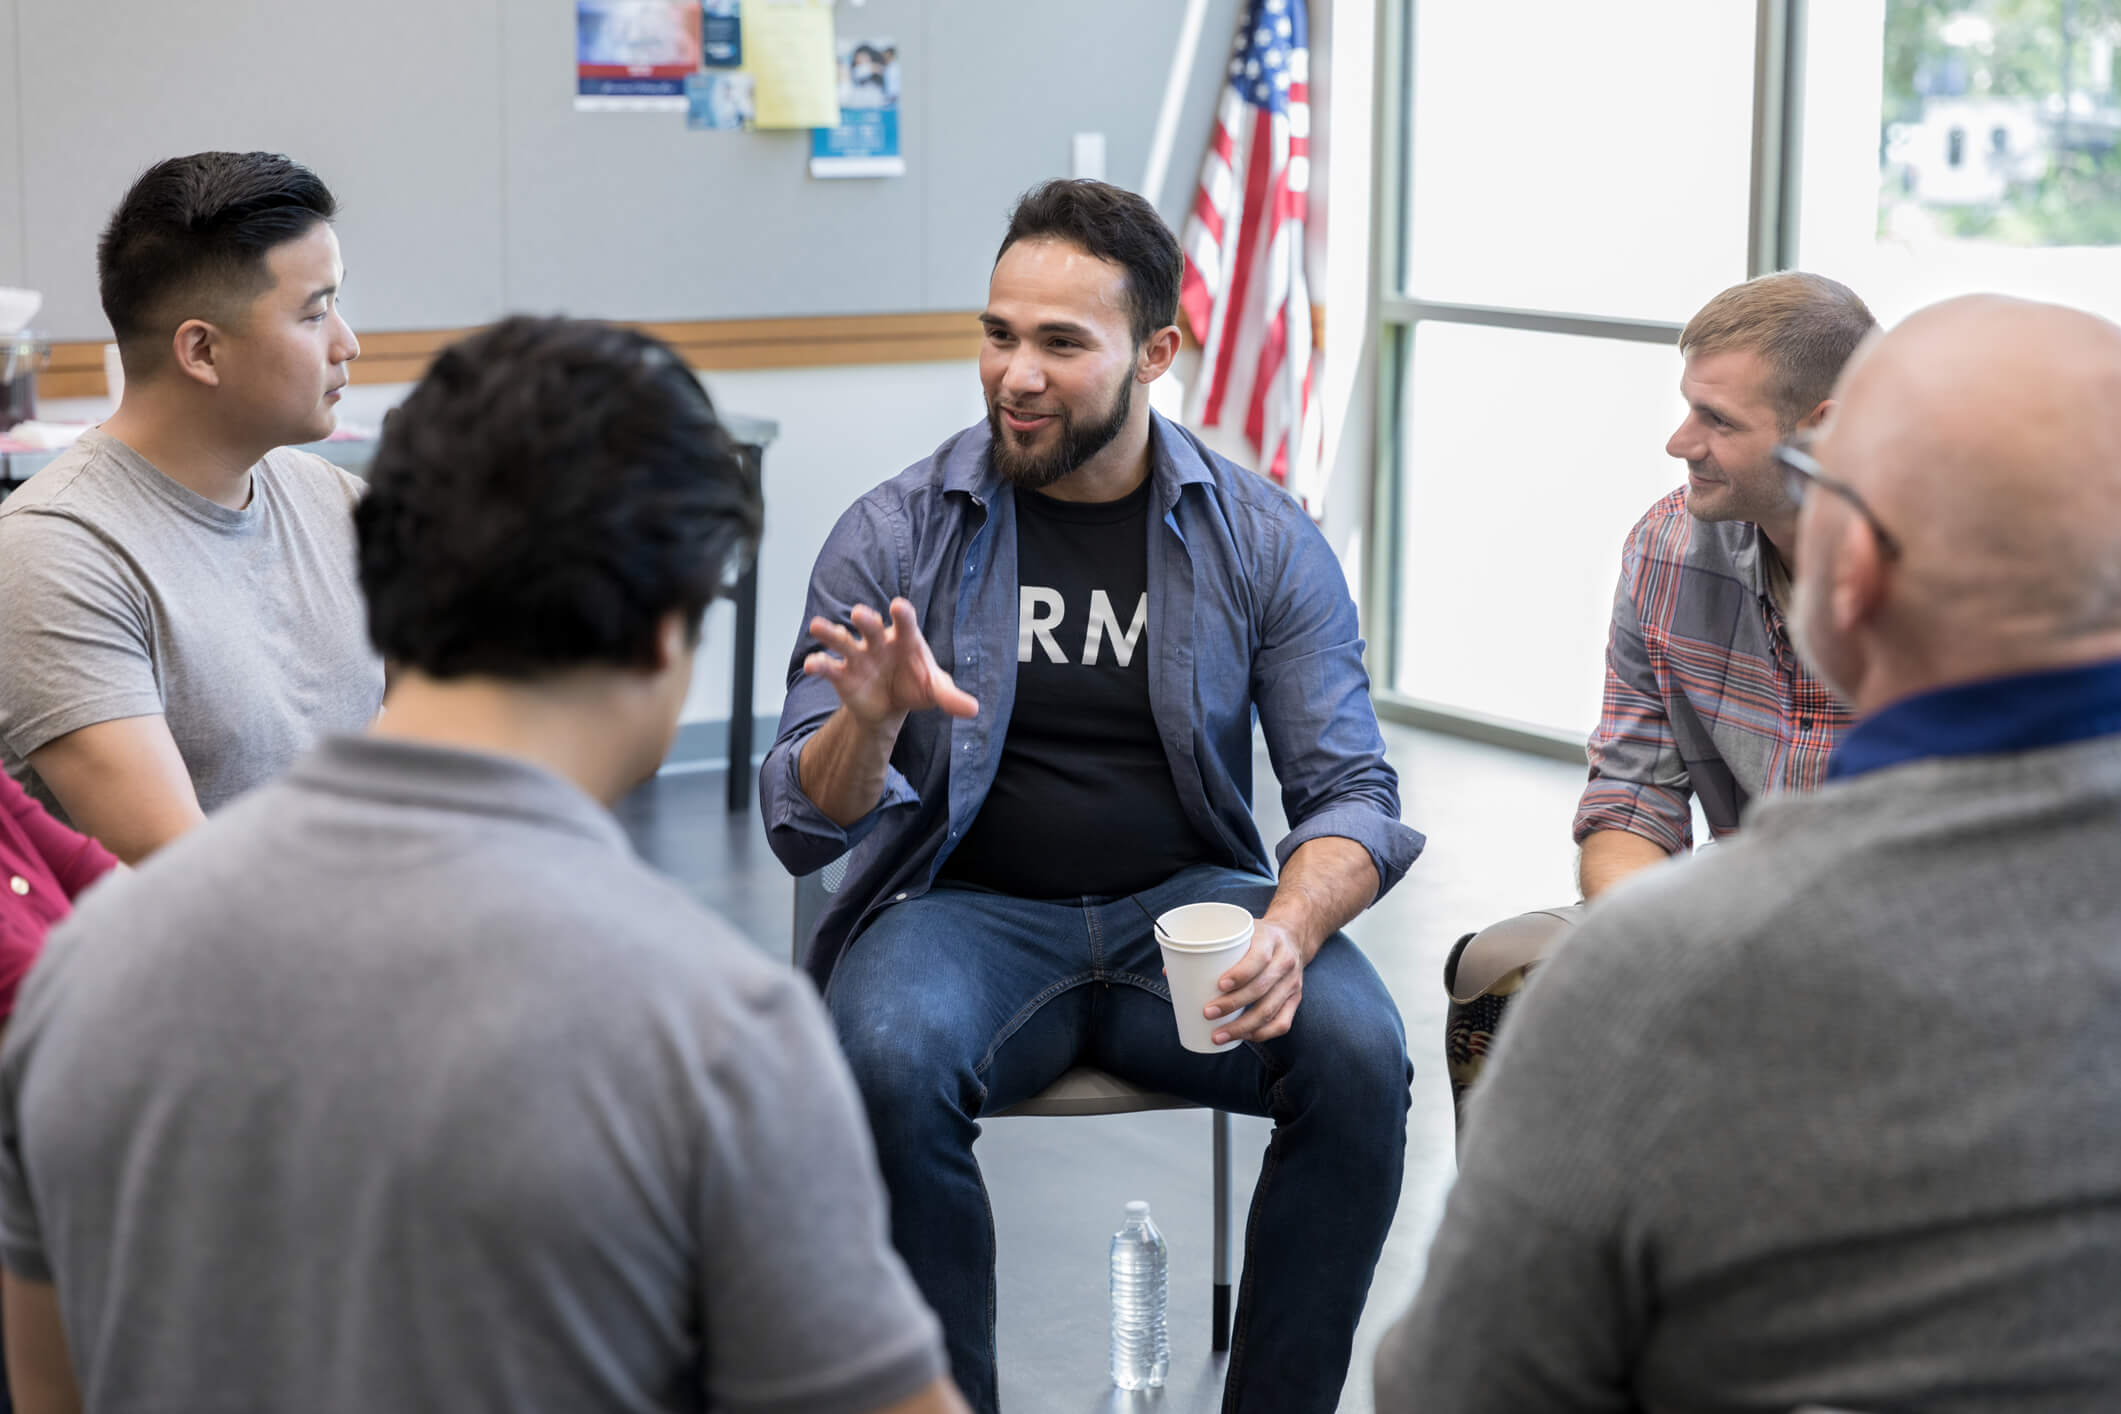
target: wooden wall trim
711 345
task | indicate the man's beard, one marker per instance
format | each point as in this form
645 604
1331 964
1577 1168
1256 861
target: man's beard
1029 471
1755 497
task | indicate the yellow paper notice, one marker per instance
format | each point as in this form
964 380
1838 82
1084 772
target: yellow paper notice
788 50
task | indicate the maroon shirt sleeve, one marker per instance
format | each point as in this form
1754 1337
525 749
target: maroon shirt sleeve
76 861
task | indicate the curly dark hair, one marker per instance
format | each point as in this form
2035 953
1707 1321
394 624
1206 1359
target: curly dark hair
548 493
1112 224
193 232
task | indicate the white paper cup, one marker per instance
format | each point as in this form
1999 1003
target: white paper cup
1200 942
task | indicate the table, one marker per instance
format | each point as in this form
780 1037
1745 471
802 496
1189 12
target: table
752 435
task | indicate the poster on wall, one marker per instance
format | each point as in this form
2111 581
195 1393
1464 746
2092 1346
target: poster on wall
721 33
788 52
722 100
865 143
633 56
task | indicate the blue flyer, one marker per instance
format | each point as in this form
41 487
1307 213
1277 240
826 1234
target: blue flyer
866 141
722 33
721 101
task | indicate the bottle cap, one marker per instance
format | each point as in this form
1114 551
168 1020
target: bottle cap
1137 1209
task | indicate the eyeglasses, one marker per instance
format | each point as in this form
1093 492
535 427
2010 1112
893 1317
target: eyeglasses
1800 472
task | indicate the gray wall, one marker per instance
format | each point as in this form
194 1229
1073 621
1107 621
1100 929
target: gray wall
471 187
13 216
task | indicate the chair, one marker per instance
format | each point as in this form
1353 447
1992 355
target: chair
1482 973
1082 1091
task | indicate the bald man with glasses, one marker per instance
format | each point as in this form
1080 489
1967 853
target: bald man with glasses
1801 472
1829 1117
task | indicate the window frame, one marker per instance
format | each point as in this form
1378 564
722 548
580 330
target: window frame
1395 314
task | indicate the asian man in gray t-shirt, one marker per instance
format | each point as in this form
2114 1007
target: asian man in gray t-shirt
401 1083
178 612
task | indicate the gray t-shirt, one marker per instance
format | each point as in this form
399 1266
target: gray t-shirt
124 594
403 1084
1829 1115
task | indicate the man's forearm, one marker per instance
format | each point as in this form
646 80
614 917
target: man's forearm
842 765
40 1372
123 782
1325 884
1611 855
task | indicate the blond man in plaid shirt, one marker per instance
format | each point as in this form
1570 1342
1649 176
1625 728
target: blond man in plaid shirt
1704 697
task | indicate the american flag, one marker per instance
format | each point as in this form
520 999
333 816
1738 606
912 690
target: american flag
1244 291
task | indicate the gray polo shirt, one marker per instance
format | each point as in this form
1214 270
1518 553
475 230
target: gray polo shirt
403 1084
124 594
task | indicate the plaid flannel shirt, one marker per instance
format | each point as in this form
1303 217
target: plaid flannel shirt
1703 694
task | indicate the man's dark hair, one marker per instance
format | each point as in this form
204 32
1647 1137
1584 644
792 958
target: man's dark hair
191 237
548 493
1112 224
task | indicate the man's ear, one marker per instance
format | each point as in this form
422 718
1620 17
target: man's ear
1156 355
1859 574
196 346
675 636
1816 419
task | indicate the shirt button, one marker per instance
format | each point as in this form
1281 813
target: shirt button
899 899
19 884
1804 724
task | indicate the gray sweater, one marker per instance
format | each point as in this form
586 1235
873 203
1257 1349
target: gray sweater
1831 1115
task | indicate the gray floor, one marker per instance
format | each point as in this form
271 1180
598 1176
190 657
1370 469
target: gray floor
1497 824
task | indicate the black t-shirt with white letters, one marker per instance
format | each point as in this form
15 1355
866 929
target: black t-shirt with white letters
1083 802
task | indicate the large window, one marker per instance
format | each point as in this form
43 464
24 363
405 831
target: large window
1957 145
1574 180
1578 157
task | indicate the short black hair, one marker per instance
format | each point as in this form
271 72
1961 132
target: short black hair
194 231
1112 224
547 494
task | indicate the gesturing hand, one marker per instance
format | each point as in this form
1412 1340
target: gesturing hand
884 671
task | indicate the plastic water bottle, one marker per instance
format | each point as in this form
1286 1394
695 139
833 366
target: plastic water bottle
1141 1347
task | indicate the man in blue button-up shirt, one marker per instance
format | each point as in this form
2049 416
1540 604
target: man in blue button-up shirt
1024 701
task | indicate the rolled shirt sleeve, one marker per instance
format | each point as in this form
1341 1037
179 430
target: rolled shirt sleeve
1639 781
1313 696
859 565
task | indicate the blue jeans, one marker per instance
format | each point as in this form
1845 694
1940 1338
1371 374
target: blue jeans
964 1002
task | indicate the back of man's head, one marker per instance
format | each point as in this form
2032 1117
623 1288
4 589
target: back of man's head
1984 434
548 495
1115 225
190 241
1804 327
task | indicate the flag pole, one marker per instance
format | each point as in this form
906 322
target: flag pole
1174 103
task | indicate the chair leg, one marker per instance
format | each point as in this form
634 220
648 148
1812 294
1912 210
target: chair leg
1221 1317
